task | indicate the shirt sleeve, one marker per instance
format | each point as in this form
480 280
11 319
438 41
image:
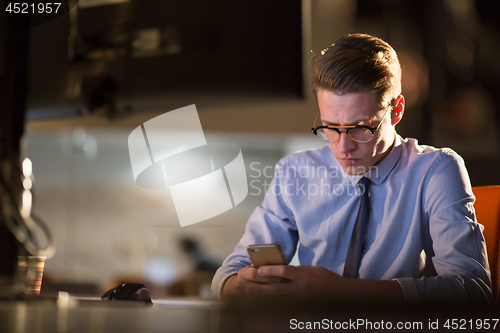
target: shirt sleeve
270 223
459 250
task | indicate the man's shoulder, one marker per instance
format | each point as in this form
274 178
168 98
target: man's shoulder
415 152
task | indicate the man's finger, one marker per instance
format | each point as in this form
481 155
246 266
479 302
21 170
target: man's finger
276 289
251 274
283 271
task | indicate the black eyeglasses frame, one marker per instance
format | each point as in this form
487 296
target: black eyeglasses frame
346 129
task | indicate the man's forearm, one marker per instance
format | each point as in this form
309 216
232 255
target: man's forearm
383 292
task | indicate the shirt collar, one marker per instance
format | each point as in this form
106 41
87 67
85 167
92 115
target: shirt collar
381 171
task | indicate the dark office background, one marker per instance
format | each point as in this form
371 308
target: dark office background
108 66
136 56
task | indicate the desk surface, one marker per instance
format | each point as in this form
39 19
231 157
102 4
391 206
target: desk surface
192 315
95 316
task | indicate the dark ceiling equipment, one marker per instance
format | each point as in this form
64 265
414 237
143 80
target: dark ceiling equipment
109 59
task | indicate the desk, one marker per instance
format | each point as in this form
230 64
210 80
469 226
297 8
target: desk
273 315
91 315
191 315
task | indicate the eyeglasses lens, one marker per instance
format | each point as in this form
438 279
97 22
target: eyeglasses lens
361 135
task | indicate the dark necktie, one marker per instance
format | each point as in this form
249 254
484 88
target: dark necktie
356 245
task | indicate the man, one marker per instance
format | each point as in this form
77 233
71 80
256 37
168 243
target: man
415 230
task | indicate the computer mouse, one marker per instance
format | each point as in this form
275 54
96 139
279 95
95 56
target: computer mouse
128 292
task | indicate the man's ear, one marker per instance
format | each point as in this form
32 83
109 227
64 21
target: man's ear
399 110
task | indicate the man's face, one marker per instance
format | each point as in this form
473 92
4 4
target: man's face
357 109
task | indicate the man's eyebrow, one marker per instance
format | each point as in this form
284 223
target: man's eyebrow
329 123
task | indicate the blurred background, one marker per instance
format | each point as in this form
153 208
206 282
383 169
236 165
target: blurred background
96 73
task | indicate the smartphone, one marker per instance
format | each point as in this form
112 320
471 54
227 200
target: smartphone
266 254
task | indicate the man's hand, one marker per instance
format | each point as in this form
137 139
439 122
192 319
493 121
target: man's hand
268 281
311 282
247 282
306 281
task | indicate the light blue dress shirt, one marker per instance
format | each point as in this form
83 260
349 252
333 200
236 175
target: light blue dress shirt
422 230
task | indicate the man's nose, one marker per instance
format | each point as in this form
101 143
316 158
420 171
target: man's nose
346 143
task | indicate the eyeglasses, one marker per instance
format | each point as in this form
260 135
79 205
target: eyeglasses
359 133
